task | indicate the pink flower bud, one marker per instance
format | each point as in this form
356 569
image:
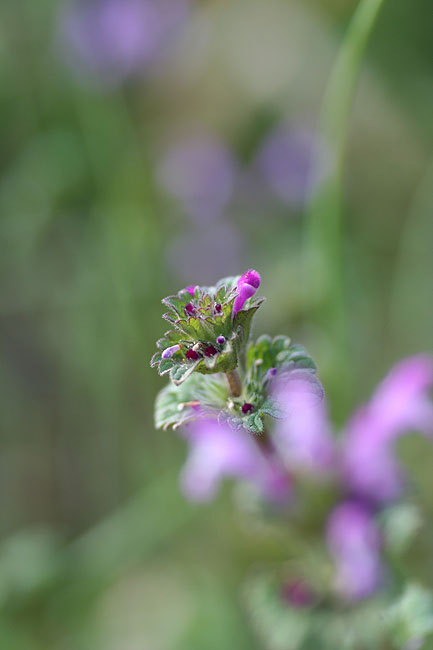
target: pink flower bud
168 352
248 284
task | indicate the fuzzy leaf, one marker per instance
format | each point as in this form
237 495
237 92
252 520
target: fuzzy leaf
271 407
410 619
278 626
253 423
182 371
176 405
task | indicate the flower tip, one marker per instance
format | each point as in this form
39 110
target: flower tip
190 289
168 352
248 284
250 277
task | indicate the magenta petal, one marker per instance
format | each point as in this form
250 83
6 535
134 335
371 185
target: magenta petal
400 404
168 352
247 286
303 436
218 452
250 277
354 542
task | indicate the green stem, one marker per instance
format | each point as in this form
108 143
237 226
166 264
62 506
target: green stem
234 382
323 241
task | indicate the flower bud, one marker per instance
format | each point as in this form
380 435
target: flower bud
168 352
248 284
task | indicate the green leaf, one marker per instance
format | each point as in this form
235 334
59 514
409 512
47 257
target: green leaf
278 626
271 407
175 405
400 523
253 423
180 372
410 619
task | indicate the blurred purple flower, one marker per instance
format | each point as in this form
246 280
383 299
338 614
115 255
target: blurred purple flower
247 286
400 404
111 39
354 543
303 436
298 594
200 173
292 162
217 452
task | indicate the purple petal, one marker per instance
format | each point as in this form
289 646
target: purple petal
200 173
168 352
303 436
217 452
292 161
250 277
354 542
110 39
247 286
400 404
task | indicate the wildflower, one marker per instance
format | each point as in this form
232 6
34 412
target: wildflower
400 404
168 352
112 39
247 286
291 162
354 542
297 593
200 173
217 451
303 434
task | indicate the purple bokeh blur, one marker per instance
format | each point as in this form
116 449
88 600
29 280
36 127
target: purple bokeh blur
292 161
217 451
354 542
303 437
109 40
400 404
200 173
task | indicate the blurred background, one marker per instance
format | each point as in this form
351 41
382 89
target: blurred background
148 145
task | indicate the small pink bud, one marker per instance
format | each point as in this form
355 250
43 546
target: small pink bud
248 284
190 289
221 340
189 308
192 355
168 352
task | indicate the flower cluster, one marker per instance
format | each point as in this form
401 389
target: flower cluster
266 423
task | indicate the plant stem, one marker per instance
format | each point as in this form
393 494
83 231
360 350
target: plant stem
323 237
234 382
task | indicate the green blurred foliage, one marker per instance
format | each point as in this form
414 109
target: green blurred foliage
99 549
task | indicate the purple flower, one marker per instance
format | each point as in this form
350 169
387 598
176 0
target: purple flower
292 162
303 436
247 286
168 352
111 39
400 404
217 452
200 173
298 594
354 542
